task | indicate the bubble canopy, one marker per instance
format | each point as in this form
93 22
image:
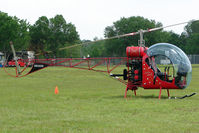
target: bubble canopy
179 60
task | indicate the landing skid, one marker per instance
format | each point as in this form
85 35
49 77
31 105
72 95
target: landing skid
183 96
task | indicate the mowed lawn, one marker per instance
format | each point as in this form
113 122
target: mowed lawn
90 102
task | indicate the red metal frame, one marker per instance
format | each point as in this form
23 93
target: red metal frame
76 63
147 81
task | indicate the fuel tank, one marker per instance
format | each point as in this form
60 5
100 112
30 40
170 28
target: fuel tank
135 51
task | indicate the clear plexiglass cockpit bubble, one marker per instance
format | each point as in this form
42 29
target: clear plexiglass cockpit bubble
172 56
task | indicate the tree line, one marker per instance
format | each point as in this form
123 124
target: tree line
47 36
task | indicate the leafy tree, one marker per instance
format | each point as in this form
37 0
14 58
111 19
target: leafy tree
176 40
191 28
52 34
40 33
192 44
190 37
61 34
13 29
23 36
94 49
116 47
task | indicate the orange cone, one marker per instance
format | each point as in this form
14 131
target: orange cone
56 90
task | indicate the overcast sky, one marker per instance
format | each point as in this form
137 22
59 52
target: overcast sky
92 16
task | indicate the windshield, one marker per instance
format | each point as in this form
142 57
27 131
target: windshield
179 60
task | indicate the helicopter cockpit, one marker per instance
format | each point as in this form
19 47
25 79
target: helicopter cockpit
170 63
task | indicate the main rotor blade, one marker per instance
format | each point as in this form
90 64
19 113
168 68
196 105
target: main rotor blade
159 28
114 37
124 35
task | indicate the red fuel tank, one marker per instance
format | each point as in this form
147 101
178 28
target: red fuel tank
135 51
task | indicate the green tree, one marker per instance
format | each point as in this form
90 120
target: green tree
191 28
23 36
40 33
52 34
13 29
190 37
192 44
94 49
116 47
176 40
61 34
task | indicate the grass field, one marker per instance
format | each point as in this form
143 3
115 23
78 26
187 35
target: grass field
91 102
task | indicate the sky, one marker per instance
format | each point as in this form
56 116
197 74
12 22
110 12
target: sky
90 17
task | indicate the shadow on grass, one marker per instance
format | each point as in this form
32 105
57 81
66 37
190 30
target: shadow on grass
152 97
138 97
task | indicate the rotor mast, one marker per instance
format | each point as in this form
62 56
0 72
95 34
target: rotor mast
141 42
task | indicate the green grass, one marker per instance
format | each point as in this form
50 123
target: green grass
91 102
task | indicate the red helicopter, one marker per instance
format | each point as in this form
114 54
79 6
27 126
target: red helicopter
161 66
